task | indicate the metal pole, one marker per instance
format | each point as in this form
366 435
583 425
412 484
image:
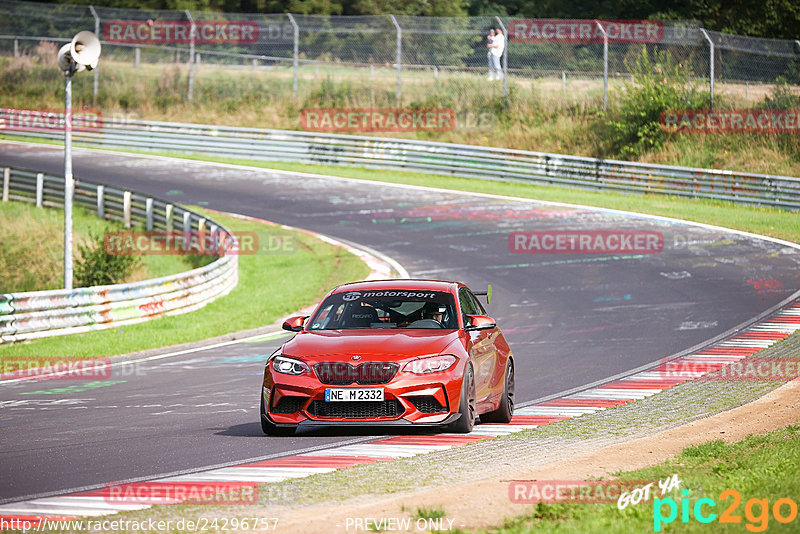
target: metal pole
505 60
69 186
296 50
605 65
399 58
6 180
192 33
711 63
137 53
16 47
97 33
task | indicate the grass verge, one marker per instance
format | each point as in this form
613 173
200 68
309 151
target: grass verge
32 247
745 480
264 294
537 114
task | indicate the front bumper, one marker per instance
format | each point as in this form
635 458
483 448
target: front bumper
408 399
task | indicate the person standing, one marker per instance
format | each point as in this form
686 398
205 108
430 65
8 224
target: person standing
495 53
489 41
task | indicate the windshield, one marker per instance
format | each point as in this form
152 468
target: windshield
386 309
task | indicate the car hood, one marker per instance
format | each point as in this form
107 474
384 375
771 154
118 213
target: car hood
391 345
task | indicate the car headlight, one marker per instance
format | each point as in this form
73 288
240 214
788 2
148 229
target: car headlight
430 364
289 366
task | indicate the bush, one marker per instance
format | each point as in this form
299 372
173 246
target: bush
781 96
95 267
632 127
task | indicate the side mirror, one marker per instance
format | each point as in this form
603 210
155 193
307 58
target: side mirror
294 323
478 322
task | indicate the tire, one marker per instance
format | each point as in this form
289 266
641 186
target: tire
466 408
271 429
505 411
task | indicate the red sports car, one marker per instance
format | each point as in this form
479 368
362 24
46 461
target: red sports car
392 352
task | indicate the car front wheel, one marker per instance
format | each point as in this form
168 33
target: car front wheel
465 423
505 411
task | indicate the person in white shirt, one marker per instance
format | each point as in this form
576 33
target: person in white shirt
489 39
495 53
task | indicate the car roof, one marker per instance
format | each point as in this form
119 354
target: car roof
402 284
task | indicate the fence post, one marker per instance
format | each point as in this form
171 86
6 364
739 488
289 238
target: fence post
187 229
295 51
6 180
563 80
168 217
137 53
605 65
505 60
711 63
399 58
126 208
101 201
16 47
39 189
97 33
148 213
192 33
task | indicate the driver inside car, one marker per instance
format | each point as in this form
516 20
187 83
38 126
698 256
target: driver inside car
434 311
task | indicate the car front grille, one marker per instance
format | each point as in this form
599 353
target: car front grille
427 404
356 410
367 373
289 404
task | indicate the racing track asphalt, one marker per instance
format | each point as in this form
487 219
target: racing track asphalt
570 319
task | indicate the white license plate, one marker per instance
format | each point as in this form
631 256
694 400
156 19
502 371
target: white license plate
353 394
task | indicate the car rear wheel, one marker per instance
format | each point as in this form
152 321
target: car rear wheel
271 429
505 411
466 422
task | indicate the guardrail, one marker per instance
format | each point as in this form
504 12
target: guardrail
38 314
439 158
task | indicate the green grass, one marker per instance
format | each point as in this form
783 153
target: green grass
271 285
537 114
758 467
32 247
430 513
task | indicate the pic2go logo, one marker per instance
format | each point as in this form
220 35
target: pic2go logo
756 511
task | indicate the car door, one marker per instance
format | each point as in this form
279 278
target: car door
481 349
501 352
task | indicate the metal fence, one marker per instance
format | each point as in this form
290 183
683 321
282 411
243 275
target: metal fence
442 158
404 55
38 314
